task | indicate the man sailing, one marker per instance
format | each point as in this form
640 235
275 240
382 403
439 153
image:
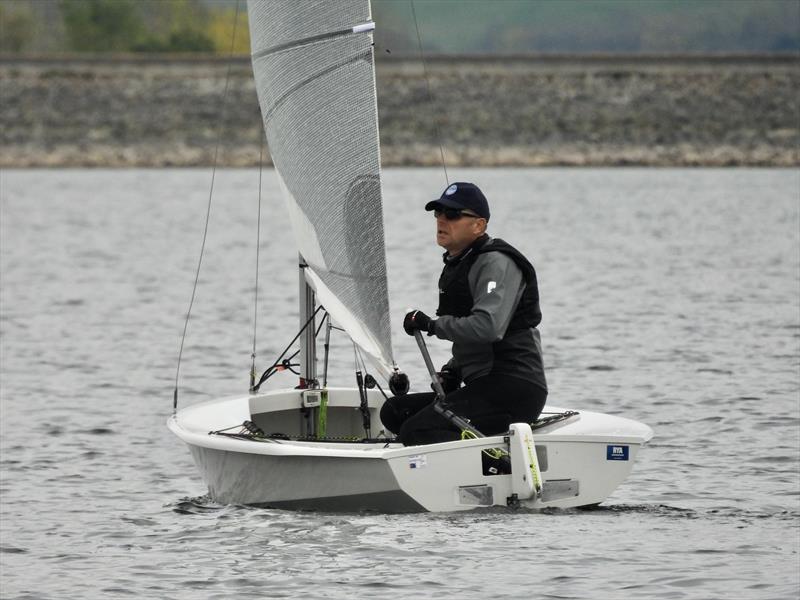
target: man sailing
489 309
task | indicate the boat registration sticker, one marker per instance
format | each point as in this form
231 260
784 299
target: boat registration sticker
616 452
418 461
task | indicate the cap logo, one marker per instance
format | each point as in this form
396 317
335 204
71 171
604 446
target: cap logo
451 190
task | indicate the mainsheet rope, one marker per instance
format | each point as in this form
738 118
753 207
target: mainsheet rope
208 208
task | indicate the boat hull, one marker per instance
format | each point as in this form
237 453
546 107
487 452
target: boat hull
582 460
302 482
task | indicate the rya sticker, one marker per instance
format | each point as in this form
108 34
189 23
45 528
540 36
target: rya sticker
616 452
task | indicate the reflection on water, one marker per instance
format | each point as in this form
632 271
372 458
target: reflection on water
670 296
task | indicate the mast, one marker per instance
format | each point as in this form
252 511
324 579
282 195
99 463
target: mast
308 342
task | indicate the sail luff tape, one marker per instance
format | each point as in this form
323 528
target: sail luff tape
364 27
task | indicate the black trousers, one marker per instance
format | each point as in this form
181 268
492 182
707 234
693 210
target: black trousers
490 403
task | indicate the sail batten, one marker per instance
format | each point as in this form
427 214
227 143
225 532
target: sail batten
313 64
361 28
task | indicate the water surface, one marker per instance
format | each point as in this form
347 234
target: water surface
669 296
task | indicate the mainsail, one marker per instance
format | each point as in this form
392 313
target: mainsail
314 70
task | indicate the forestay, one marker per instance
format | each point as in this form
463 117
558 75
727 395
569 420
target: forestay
314 70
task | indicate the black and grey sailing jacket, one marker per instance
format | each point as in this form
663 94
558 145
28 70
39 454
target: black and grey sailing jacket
489 309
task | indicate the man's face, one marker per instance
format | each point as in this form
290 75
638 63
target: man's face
455 235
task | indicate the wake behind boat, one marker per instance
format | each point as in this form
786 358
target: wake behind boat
326 448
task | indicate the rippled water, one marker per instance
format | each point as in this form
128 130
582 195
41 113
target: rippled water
670 296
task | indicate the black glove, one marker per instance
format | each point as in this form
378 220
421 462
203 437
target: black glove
417 320
450 379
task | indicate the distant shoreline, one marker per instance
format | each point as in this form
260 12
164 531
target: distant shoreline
786 58
538 110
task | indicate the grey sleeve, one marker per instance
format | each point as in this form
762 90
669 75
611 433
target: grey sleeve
496 285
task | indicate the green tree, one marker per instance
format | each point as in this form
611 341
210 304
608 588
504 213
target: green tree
220 29
102 25
16 29
175 26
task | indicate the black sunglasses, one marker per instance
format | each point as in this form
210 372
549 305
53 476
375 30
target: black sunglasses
453 214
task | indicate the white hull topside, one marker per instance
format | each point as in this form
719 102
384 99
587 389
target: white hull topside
582 459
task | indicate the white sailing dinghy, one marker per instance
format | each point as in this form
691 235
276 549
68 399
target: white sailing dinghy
313 447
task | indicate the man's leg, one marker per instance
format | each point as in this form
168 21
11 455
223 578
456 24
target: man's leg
491 403
429 427
398 409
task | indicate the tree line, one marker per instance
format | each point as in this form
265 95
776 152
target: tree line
447 26
121 26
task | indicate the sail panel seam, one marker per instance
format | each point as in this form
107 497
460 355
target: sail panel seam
300 84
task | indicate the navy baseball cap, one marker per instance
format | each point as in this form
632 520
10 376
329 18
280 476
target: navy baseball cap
464 196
